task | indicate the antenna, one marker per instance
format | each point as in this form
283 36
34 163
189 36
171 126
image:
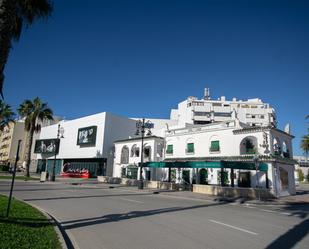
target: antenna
206 94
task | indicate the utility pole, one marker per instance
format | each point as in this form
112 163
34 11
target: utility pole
13 179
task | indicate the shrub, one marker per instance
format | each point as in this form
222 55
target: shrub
4 168
301 176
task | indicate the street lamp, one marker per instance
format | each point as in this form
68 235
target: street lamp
60 132
256 164
141 127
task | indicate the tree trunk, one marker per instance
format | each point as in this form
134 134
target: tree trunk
6 34
28 161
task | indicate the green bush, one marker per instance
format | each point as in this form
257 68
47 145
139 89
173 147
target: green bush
307 177
301 176
4 168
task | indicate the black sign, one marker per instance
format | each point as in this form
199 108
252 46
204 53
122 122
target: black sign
87 135
47 146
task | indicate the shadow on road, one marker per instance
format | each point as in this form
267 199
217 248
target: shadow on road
130 215
295 234
83 197
291 237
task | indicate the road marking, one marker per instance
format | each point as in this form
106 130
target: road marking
285 213
249 207
125 199
236 228
268 211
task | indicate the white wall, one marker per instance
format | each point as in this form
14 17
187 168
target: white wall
68 145
116 127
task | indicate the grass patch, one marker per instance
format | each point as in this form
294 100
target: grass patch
26 227
25 178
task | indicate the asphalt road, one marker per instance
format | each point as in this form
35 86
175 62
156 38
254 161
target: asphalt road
95 216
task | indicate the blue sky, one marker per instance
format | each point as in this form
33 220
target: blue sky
140 58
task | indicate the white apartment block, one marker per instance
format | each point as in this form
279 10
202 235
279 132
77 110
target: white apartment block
204 111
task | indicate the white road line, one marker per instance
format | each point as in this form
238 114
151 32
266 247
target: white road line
236 228
125 199
285 213
249 207
268 211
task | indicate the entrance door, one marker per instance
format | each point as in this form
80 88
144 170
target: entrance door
244 179
203 176
148 175
186 176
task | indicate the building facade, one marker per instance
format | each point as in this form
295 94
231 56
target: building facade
225 153
9 140
253 112
87 143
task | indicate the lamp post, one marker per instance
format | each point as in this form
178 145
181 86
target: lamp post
60 132
141 127
256 164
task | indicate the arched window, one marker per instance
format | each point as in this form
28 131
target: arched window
134 151
124 155
159 150
147 151
285 150
276 146
248 145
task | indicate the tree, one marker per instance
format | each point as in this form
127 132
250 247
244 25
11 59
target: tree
35 112
304 144
14 15
6 115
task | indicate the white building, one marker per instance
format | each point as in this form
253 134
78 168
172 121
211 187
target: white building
96 155
94 152
204 111
218 153
128 157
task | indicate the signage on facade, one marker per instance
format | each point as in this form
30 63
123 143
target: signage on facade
87 135
47 146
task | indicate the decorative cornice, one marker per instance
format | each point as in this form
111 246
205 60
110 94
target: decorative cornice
244 158
137 138
250 129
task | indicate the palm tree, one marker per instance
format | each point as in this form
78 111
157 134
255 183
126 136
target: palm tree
6 115
35 112
14 14
305 145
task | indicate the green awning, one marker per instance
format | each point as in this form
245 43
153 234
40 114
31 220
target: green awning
205 164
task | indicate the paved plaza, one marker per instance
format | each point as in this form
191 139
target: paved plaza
98 216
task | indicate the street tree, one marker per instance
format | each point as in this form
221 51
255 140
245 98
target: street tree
6 115
14 15
35 112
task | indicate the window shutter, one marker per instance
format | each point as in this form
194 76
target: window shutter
215 146
190 147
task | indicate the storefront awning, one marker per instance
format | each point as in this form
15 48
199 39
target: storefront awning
205 164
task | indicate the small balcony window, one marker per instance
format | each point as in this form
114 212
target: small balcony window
169 149
190 148
215 146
